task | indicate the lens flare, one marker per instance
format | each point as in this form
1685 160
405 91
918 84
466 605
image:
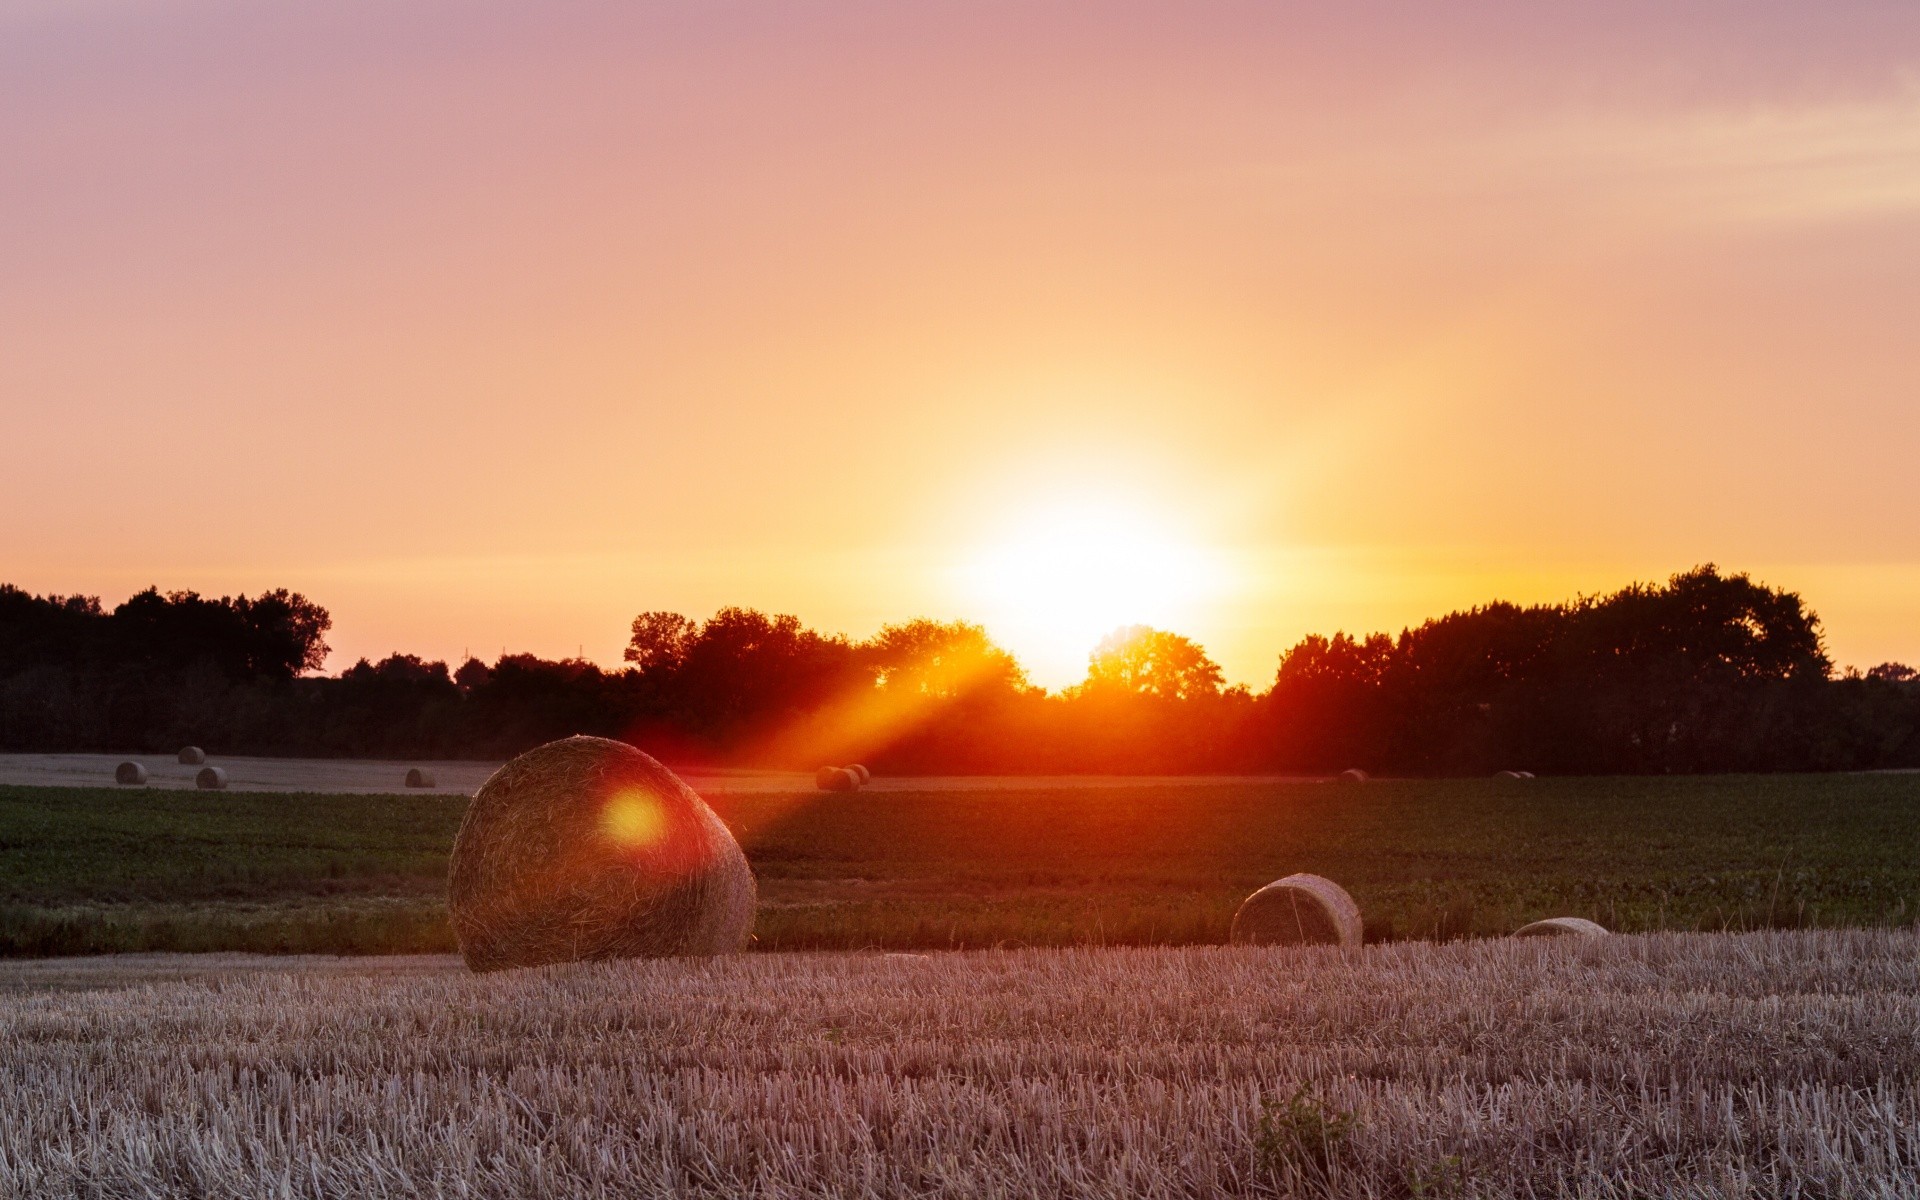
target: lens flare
633 820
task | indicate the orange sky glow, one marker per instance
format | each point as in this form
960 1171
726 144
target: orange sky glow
490 326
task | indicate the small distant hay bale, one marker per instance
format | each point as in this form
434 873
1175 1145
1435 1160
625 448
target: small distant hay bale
1353 775
418 778
129 772
835 779
1524 774
1298 910
213 779
587 849
1509 775
192 756
1562 927
861 773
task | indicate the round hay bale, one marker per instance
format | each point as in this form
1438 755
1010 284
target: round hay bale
1524 774
213 779
1508 775
129 772
1298 910
861 773
1353 775
418 778
835 779
192 756
586 849
1562 927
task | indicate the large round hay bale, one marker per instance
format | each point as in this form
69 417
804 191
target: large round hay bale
1353 775
418 778
1562 927
1297 910
588 849
860 773
192 756
213 779
835 779
129 772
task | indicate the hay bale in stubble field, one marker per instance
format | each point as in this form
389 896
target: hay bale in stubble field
1298 910
192 756
1508 775
835 779
417 778
586 848
860 773
1353 775
213 779
1562 927
129 772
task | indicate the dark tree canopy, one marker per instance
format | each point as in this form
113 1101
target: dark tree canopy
1706 672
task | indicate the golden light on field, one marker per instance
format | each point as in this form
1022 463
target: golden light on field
1058 579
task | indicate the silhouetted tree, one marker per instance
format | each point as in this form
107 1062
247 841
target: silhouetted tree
944 660
1138 660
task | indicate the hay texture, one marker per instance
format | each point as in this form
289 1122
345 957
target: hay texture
213 779
418 778
1562 927
1353 775
835 779
586 848
1298 910
192 756
129 772
861 773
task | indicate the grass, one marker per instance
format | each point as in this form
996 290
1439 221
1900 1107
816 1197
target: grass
1776 1064
89 870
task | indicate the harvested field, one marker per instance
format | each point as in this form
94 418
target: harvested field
1768 1064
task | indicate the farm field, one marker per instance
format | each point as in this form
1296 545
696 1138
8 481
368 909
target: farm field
461 777
98 870
1768 1064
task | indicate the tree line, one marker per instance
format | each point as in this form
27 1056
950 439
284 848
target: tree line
1707 672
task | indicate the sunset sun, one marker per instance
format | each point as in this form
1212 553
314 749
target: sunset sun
1058 579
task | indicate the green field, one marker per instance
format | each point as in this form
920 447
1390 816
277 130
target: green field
85 871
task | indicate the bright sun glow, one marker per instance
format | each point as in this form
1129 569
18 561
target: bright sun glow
1060 580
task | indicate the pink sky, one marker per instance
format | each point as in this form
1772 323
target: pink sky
490 326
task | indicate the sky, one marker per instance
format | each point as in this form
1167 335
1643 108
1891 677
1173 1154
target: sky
489 326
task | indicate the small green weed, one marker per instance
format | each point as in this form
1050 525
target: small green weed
1303 1138
1438 1181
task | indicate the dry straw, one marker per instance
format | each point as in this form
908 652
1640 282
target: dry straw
1562 927
861 773
129 772
835 779
418 778
588 849
1300 909
213 779
192 756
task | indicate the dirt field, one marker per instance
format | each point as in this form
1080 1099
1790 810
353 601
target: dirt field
461 778
1768 1065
